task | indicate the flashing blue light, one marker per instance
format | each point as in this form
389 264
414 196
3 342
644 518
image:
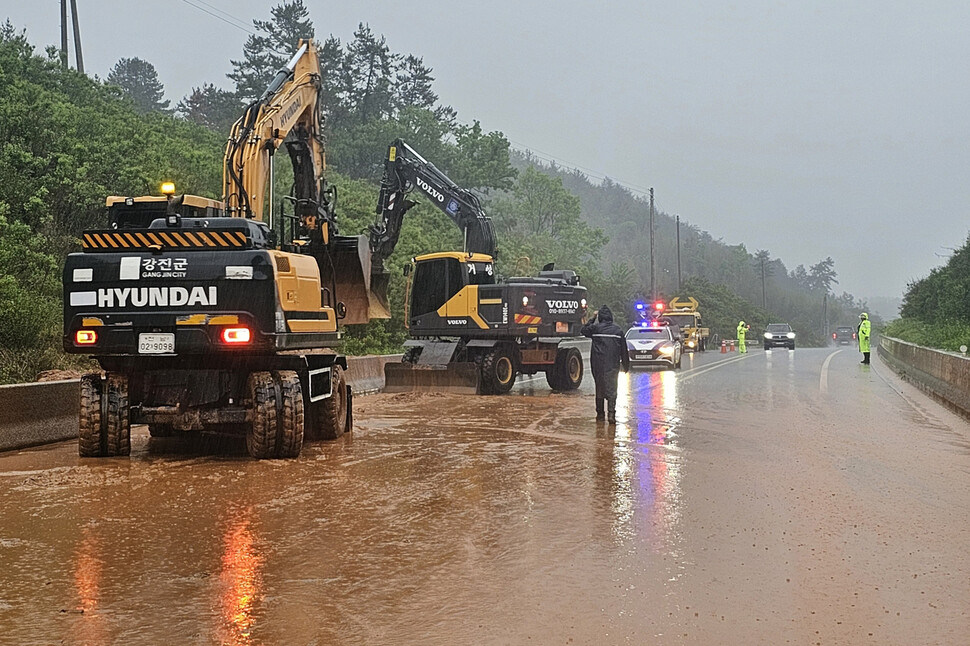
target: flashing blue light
640 306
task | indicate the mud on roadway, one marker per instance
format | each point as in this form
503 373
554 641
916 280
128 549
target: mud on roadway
734 503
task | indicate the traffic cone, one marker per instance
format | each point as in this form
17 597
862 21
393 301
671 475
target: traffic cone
732 345
723 346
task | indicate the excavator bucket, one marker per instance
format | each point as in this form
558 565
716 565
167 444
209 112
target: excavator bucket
366 299
460 378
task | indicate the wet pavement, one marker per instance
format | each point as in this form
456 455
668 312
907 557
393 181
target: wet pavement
768 498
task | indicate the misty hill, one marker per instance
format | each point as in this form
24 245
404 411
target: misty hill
802 296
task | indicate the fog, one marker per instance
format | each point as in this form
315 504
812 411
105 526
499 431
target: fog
807 129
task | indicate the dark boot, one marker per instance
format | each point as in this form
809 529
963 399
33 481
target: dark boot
865 359
611 417
600 416
600 405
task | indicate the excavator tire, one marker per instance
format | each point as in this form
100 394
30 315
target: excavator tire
411 355
117 420
89 421
498 371
330 414
261 435
278 415
291 417
567 372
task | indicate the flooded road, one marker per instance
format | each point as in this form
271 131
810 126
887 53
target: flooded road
767 498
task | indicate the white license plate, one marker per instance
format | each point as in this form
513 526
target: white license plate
156 343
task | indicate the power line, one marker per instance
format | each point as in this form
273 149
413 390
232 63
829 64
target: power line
548 157
231 21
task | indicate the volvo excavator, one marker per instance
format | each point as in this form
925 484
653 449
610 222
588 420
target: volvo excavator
469 331
223 316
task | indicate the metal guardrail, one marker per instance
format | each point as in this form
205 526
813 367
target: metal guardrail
42 413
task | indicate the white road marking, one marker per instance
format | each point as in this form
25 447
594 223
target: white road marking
823 379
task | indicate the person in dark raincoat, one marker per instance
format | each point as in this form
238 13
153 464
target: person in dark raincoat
607 354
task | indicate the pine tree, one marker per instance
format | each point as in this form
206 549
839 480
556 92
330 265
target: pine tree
212 107
139 81
270 48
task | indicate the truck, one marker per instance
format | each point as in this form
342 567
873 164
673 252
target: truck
220 315
469 331
684 313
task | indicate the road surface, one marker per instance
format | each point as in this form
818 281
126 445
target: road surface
767 498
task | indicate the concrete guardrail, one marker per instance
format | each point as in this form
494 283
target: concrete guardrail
943 375
41 413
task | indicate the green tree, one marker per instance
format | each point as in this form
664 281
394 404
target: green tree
822 275
139 81
268 50
211 107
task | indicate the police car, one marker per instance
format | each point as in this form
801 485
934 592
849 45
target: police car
654 344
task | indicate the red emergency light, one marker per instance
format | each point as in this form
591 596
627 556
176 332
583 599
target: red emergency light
659 306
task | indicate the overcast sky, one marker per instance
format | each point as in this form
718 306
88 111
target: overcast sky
810 129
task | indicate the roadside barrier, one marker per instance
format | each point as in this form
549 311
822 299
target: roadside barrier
41 413
943 375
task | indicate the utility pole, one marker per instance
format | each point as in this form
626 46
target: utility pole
79 59
764 290
653 262
64 34
77 38
679 281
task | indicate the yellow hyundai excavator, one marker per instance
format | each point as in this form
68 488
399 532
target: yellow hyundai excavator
216 316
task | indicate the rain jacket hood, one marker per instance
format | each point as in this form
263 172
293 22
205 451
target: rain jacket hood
605 314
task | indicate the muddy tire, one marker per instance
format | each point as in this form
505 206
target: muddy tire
291 417
330 414
117 420
498 372
411 355
276 400
567 372
89 420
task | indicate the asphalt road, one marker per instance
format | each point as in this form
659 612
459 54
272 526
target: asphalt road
767 498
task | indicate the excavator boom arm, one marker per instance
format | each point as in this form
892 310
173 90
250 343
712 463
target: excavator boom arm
406 170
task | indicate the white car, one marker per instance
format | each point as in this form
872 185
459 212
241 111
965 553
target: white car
654 345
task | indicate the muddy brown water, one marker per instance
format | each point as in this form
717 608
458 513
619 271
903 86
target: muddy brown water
741 500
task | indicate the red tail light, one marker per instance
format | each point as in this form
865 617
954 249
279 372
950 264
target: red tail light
853 335
834 335
85 337
236 335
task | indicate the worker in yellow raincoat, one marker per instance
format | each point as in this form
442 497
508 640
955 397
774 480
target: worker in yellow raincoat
864 331
742 331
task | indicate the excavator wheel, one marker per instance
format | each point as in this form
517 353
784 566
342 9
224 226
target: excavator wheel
330 414
118 421
89 426
411 355
277 407
567 372
292 415
498 371
104 428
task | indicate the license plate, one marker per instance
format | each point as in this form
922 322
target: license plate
156 343
644 355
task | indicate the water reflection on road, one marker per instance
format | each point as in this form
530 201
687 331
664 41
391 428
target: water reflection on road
646 470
